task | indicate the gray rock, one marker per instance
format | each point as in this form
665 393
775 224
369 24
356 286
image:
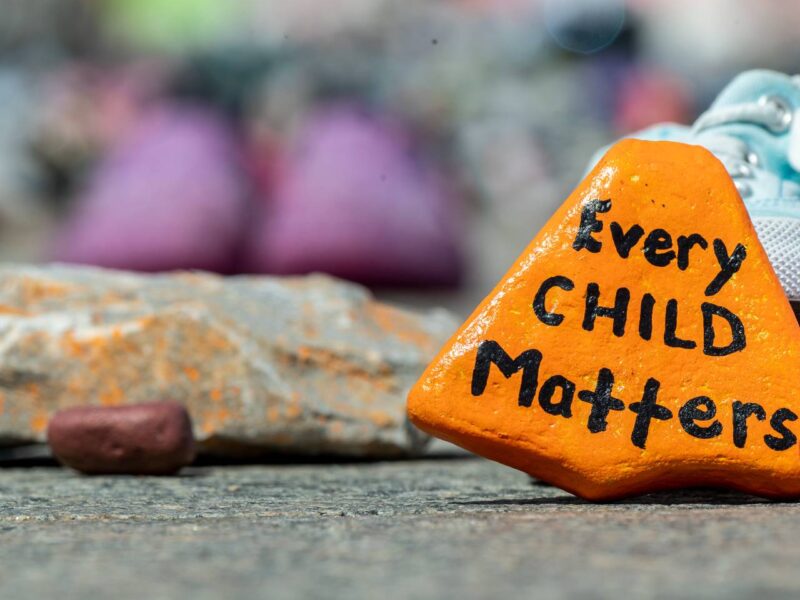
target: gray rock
303 365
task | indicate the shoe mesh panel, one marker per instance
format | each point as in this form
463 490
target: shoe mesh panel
779 236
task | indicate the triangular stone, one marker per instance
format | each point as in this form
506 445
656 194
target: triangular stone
542 378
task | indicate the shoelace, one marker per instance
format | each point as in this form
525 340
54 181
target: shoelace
772 113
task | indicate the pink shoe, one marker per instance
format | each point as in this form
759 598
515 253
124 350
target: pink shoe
351 200
169 196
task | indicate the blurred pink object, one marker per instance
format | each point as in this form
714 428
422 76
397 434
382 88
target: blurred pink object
88 108
649 97
169 196
350 199
499 6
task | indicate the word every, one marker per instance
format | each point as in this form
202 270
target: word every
697 415
658 248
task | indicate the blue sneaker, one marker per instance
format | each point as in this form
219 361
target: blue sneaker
753 127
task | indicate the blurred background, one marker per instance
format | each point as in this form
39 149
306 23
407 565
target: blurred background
415 146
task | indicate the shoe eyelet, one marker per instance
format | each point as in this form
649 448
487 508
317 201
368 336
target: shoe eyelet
753 159
743 188
784 109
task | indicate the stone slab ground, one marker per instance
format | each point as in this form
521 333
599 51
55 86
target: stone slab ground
454 528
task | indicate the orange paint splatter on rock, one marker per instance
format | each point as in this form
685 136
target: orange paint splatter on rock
381 419
113 396
293 411
39 422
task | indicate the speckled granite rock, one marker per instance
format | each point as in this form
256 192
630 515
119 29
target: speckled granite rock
305 365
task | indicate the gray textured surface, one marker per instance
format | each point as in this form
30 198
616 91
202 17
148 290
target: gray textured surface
459 528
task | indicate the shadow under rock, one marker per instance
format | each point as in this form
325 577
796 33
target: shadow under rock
702 496
39 455
321 459
30 455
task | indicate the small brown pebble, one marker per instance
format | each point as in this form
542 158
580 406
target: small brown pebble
140 439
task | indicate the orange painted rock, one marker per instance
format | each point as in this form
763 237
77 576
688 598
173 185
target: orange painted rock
641 342
142 439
